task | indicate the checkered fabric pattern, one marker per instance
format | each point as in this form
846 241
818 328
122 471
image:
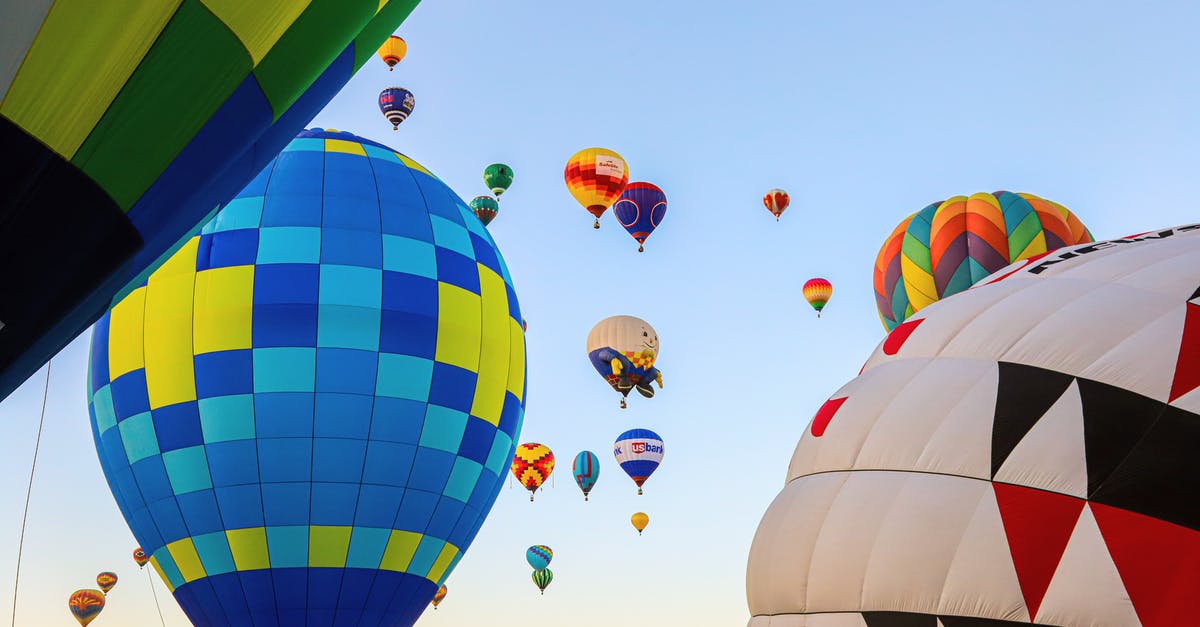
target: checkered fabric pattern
305 414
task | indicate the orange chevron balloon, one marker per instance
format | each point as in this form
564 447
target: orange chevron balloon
532 465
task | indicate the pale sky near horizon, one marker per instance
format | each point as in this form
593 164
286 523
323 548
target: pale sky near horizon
863 111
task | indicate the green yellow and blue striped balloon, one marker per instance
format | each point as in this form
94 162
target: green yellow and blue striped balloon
542 578
306 413
950 245
539 556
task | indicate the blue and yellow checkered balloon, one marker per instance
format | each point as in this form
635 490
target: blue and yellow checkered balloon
306 413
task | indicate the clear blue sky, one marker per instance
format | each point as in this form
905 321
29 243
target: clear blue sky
864 111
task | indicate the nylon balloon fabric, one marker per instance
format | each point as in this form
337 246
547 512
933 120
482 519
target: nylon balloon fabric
123 128
1023 453
640 209
306 413
950 245
595 177
532 464
639 453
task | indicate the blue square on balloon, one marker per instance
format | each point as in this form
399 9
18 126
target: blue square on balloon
377 506
397 420
288 547
233 463
352 248
168 520
484 491
458 270
453 387
286 503
284 459
510 414
289 244
295 197
286 283
334 503
227 248
260 593
200 512
342 416
283 415
131 389
338 459
152 479
410 293
439 200
178 426
405 333
452 235
214 553
98 355
142 525
462 529
348 326
485 254
477 440
284 325
388 463
446 515
416 509
346 370
241 506
514 308
366 550
435 467
224 373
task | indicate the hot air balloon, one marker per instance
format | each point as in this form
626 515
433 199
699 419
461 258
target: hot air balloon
498 177
950 245
639 520
587 471
324 294
397 104
817 292
106 580
532 464
485 208
639 452
140 557
1007 457
640 209
438 596
542 578
623 350
539 556
596 177
776 201
122 129
392 51
85 605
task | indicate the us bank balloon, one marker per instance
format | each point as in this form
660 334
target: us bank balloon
306 413
951 245
1023 453
639 453
123 128
623 350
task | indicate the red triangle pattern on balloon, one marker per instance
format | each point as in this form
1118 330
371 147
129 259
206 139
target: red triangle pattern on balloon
1187 366
1038 525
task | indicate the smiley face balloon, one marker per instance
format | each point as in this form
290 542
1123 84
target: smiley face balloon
623 350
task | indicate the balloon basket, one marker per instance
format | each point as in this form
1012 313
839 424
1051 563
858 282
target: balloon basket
639 491
623 405
596 224
641 249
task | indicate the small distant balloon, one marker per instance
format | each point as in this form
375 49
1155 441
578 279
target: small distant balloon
542 578
106 580
397 104
392 51
639 520
485 208
140 557
817 292
639 452
498 177
532 465
640 209
539 556
85 605
596 177
586 471
776 201
438 596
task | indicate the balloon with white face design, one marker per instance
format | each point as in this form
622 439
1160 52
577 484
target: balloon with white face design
624 349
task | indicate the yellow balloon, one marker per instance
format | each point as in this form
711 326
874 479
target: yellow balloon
639 520
596 177
392 51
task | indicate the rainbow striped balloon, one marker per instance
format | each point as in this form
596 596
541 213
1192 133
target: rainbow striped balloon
950 245
817 292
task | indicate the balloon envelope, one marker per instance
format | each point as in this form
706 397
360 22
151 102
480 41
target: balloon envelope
539 556
85 605
439 595
776 201
140 557
258 406
639 452
498 177
542 578
485 208
106 580
532 464
396 104
122 129
951 245
595 177
640 209
587 471
817 292
393 50
623 350
1007 456
639 521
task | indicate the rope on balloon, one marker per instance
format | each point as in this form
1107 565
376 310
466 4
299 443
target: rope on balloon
28 491
150 578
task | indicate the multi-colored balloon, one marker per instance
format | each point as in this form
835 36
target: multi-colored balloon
393 50
639 521
86 605
532 464
596 178
587 471
623 349
817 292
539 556
776 201
140 557
106 580
640 209
498 177
639 453
485 208
542 578
396 104
950 245
439 596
